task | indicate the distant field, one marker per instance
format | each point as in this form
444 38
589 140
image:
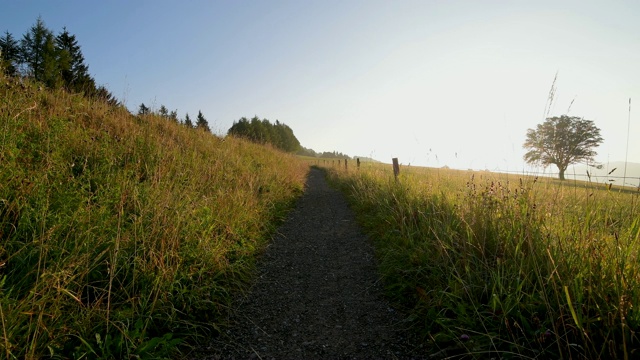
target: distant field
501 265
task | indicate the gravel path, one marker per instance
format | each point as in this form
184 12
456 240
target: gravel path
317 294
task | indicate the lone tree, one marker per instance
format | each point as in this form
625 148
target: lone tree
562 141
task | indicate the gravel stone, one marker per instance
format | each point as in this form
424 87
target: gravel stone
318 294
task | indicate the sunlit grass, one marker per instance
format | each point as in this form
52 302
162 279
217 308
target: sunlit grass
497 265
123 236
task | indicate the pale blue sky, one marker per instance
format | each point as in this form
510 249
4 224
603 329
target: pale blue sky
434 83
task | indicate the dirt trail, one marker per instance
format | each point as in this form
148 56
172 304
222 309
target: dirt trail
317 294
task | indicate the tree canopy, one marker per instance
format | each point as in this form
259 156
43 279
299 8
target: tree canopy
73 71
562 141
263 131
38 53
187 121
55 61
143 110
9 54
201 122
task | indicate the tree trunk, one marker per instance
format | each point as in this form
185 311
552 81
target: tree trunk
562 170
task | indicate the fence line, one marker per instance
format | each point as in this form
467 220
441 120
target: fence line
626 180
603 178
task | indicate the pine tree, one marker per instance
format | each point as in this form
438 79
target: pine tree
187 121
174 115
9 54
103 94
201 122
38 52
163 111
51 70
73 70
143 109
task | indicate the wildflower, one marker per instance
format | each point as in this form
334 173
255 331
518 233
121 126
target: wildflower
464 337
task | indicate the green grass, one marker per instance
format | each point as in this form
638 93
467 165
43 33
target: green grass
494 265
124 236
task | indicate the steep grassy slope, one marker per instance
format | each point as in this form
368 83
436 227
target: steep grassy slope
122 236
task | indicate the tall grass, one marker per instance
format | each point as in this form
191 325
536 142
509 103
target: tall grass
124 236
494 265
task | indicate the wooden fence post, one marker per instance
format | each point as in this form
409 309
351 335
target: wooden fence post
396 168
358 163
345 164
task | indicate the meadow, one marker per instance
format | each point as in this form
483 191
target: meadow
125 236
492 265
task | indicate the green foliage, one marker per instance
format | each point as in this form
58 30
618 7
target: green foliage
163 111
303 151
55 61
497 266
38 53
202 123
103 95
562 141
124 238
73 70
173 115
143 110
187 121
333 155
9 54
259 131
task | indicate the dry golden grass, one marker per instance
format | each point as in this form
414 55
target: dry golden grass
497 265
123 236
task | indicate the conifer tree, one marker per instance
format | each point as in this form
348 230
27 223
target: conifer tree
143 109
38 52
201 122
174 115
73 70
163 111
102 93
9 54
187 121
50 65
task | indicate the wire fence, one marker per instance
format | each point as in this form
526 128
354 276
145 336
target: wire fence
570 174
597 178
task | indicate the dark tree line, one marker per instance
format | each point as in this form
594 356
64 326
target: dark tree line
57 61
262 131
201 121
54 60
334 155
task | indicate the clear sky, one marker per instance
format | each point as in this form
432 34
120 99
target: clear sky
434 83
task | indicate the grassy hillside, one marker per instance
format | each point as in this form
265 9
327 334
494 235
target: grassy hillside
123 236
504 266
